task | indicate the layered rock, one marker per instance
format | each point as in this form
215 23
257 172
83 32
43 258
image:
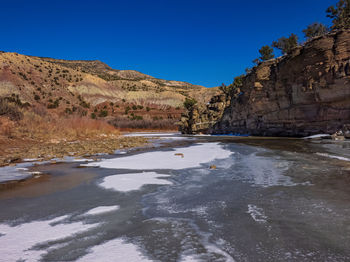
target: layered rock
304 93
201 118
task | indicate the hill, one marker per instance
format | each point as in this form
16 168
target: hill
92 88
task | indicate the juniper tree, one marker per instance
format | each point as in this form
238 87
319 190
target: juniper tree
340 14
266 53
315 29
286 45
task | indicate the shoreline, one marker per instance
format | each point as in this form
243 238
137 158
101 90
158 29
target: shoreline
36 153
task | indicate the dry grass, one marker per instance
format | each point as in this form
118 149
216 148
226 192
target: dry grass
50 127
38 125
144 124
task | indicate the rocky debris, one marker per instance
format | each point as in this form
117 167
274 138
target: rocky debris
179 154
301 94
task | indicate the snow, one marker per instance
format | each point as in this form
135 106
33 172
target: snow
334 156
101 210
257 214
133 181
16 242
144 134
193 156
317 136
118 250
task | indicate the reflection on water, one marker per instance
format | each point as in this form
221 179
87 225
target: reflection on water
267 200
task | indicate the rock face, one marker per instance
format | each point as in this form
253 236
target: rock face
201 118
304 93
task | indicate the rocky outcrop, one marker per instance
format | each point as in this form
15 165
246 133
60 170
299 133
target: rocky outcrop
201 118
304 93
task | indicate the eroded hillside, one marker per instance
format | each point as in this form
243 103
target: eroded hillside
93 88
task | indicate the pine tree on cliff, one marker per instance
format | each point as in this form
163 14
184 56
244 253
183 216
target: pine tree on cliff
340 14
286 45
266 53
315 29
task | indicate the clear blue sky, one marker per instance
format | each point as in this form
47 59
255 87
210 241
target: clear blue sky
199 41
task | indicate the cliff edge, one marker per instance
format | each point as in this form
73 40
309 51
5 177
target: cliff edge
304 93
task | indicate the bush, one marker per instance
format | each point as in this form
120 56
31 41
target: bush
84 104
134 107
189 103
36 97
145 123
103 113
68 111
10 110
93 115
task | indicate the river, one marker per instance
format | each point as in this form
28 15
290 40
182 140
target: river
186 199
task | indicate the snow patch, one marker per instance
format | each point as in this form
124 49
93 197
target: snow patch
18 242
137 134
133 181
333 156
101 210
257 214
318 136
179 158
114 250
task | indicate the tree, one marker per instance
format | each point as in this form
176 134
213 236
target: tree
286 45
266 53
225 89
189 103
256 61
340 14
315 29
238 81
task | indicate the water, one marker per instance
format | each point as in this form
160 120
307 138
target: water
267 200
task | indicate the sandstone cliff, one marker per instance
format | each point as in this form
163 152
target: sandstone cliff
304 93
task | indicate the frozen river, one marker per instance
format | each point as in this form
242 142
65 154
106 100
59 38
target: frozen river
195 199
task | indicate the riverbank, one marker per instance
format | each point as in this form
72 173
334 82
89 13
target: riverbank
18 150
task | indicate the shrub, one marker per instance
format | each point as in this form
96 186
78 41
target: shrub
134 107
68 111
36 97
10 110
93 115
103 113
144 123
189 103
84 104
